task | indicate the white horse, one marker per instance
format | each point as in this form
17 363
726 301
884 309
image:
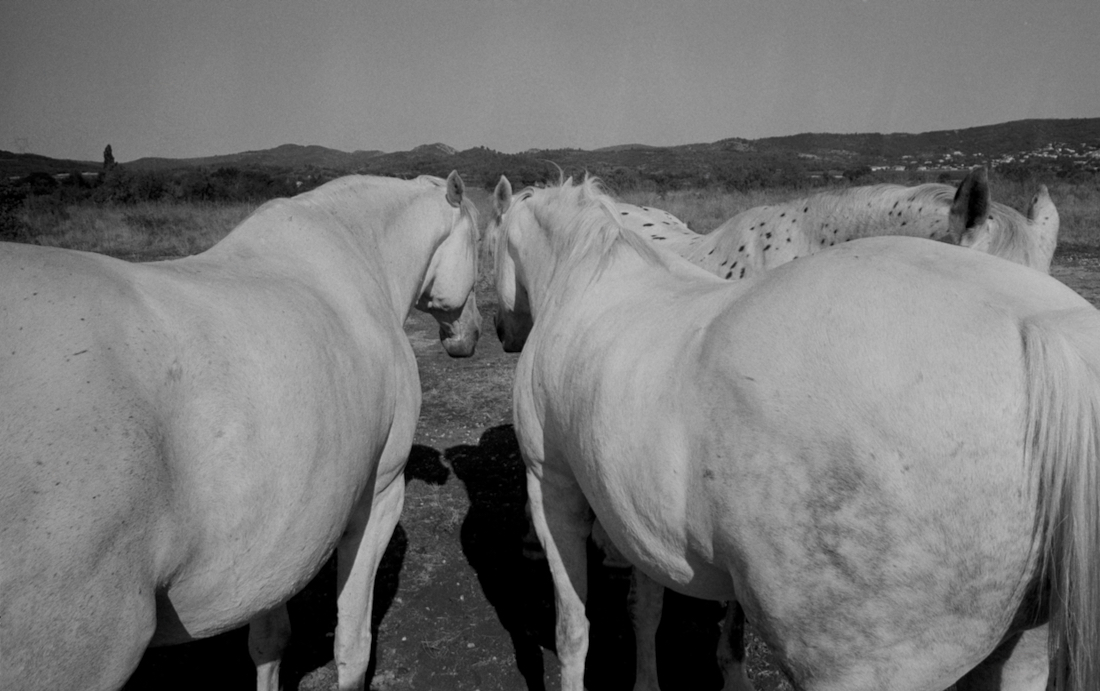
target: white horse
886 453
185 442
764 237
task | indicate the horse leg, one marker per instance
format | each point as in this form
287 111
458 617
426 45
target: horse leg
563 521
1020 663
731 649
358 556
646 599
268 635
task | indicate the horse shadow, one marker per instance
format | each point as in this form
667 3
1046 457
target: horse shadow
521 591
223 661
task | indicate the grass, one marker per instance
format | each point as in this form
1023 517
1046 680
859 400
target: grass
158 230
152 230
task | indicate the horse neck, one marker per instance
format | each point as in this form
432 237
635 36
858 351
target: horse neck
574 290
358 240
408 242
879 210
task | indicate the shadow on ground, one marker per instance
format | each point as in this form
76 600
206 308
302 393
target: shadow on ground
521 591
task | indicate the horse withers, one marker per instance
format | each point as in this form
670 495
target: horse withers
885 453
184 443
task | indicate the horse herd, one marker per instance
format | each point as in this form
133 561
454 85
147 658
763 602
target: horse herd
884 455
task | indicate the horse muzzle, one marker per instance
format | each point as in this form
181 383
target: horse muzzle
511 332
460 328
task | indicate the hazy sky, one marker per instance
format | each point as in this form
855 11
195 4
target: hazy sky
204 77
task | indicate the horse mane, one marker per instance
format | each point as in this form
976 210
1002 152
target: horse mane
583 223
1011 237
350 188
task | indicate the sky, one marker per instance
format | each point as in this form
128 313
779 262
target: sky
205 77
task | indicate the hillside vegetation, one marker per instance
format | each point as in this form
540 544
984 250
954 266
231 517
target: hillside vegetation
1054 148
162 229
179 206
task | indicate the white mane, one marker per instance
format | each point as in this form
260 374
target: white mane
582 222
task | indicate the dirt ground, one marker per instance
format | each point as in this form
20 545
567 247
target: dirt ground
457 606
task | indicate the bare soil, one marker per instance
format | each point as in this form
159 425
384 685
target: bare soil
457 605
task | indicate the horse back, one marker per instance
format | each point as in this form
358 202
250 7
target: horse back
872 398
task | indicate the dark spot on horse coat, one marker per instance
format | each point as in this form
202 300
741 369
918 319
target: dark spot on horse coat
767 247
849 526
710 253
767 235
647 225
783 214
742 272
729 274
625 213
741 248
658 237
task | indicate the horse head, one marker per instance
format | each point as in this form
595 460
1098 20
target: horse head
447 292
513 318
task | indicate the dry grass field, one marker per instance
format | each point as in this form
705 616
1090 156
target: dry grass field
457 604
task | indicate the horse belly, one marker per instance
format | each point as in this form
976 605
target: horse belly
647 500
258 538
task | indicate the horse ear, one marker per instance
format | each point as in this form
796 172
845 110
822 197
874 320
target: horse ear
455 189
1039 203
970 210
1043 224
502 196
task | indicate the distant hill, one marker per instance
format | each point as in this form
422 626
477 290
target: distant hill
285 156
18 165
727 161
988 140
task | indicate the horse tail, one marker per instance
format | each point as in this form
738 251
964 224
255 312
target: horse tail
1062 359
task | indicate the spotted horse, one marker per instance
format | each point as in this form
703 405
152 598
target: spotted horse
764 237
